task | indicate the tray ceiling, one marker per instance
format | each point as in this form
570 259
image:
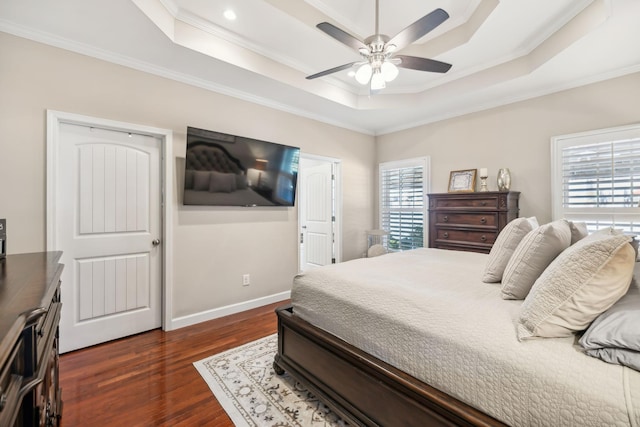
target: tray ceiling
501 50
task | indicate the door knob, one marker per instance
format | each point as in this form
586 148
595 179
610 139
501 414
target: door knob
155 242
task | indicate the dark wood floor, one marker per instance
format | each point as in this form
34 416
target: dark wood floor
149 380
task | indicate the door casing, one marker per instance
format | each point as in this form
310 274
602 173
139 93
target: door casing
54 119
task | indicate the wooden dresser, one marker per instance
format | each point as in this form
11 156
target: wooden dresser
470 221
30 305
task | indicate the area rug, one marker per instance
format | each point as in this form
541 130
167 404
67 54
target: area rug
252 394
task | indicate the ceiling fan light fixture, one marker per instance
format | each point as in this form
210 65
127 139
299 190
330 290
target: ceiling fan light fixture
377 81
389 71
230 15
363 75
379 65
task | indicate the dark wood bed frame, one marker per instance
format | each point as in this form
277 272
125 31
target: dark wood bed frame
362 389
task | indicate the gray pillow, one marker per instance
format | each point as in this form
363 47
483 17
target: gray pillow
188 179
222 182
201 180
615 335
504 246
532 256
241 182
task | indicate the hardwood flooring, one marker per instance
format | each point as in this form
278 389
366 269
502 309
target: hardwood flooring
149 380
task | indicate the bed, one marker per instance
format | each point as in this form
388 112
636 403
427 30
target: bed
215 177
455 357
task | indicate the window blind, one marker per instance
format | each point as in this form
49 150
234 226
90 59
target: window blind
598 182
402 207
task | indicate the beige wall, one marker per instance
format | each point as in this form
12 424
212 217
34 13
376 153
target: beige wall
213 246
516 136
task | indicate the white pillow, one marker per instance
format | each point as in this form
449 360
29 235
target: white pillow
533 254
580 284
578 231
504 246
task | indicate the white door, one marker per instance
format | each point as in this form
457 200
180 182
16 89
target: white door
108 227
316 213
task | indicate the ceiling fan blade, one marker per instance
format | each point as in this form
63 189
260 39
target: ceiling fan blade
341 36
331 71
418 29
422 64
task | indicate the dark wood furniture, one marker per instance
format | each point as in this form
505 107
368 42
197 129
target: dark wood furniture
360 388
29 316
470 221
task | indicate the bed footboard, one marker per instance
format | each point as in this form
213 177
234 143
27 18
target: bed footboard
360 388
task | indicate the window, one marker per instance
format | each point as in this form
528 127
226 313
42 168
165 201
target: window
596 178
403 185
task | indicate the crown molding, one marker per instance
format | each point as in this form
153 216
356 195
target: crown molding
84 49
502 101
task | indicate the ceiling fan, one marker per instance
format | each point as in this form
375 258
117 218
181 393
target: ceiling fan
379 64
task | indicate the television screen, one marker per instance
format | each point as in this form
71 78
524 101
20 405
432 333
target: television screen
230 170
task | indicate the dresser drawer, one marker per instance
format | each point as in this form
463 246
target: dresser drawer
47 334
465 202
489 219
453 235
466 247
470 221
10 383
29 380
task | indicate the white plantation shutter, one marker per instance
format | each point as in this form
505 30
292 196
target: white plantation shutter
597 178
403 186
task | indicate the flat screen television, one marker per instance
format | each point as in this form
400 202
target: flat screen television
230 170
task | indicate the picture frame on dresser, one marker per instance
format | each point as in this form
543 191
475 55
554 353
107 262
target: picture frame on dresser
462 181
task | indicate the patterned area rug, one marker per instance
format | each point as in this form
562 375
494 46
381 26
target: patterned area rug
243 381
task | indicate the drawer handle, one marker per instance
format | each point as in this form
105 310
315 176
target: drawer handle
445 235
483 220
483 237
483 203
446 218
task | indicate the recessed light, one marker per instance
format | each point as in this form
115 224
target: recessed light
230 15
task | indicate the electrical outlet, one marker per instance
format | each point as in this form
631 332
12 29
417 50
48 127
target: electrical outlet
246 280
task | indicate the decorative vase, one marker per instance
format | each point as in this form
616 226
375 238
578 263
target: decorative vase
504 179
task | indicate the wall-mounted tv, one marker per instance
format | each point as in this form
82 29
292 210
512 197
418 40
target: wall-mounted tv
230 170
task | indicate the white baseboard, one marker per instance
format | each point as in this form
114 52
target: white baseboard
192 319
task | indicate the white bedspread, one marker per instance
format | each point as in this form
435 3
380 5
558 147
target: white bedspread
428 313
